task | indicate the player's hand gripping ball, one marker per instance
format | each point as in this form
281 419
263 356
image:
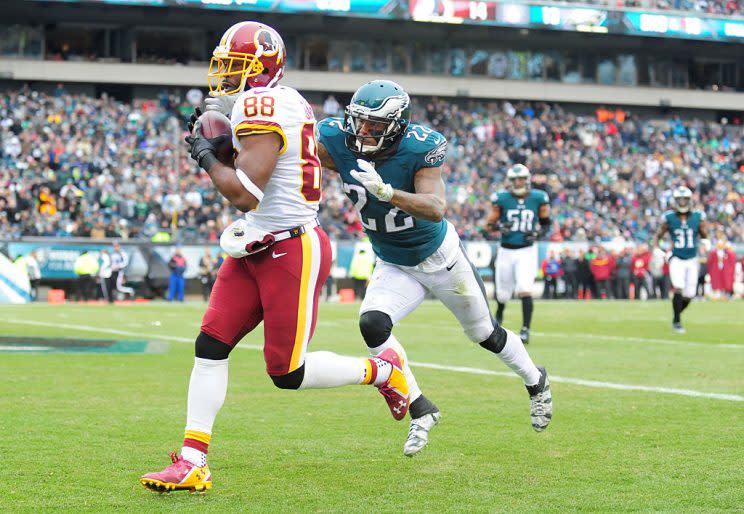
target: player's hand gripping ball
210 134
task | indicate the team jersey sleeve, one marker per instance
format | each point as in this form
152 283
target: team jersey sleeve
542 197
330 130
665 219
263 110
433 151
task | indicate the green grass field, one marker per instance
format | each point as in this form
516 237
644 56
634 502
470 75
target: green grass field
81 429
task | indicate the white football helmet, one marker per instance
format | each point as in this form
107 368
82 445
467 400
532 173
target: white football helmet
519 171
682 199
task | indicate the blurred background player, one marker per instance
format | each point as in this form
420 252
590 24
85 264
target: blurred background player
685 226
117 280
391 170
177 282
522 215
280 256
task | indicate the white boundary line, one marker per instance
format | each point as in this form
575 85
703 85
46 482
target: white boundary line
456 369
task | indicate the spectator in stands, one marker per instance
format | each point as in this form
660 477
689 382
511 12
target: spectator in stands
602 267
177 282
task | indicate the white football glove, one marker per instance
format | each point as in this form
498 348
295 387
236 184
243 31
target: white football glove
223 103
372 181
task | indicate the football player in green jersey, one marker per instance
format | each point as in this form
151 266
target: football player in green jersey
684 224
522 215
391 170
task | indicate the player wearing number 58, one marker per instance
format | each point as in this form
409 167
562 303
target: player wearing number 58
391 170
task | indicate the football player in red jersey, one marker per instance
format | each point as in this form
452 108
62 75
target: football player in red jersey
279 256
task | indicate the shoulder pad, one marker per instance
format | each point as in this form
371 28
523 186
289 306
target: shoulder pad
541 195
330 127
429 146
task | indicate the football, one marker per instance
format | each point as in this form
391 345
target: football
214 124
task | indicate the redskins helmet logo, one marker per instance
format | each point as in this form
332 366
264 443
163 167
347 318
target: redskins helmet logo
266 42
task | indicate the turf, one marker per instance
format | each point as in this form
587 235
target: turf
80 429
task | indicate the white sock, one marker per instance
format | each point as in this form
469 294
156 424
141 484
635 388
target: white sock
327 369
207 391
393 343
194 456
516 357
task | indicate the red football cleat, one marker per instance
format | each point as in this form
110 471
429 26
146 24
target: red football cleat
179 476
395 390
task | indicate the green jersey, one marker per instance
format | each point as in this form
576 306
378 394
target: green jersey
396 237
685 234
519 215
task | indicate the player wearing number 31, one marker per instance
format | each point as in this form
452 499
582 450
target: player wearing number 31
391 170
279 256
684 225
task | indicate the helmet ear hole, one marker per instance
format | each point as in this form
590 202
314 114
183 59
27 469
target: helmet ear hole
265 71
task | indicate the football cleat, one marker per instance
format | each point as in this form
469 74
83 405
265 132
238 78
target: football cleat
541 402
181 475
677 327
524 335
418 433
395 389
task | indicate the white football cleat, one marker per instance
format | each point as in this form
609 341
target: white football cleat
418 434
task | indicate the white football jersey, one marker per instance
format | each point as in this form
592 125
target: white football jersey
292 194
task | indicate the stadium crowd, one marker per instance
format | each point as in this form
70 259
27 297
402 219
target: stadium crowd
713 7
72 165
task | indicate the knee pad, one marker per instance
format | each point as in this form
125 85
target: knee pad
375 327
496 341
207 347
291 380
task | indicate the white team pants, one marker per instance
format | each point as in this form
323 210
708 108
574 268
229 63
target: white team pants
447 273
683 274
515 271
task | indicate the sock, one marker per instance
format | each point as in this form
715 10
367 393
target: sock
207 390
500 310
527 307
685 303
392 342
516 357
377 371
421 407
677 306
324 370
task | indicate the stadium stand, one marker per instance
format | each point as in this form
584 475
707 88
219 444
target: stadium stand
610 175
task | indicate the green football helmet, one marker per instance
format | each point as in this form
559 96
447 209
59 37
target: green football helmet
378 114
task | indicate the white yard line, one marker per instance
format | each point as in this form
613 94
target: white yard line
457 369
